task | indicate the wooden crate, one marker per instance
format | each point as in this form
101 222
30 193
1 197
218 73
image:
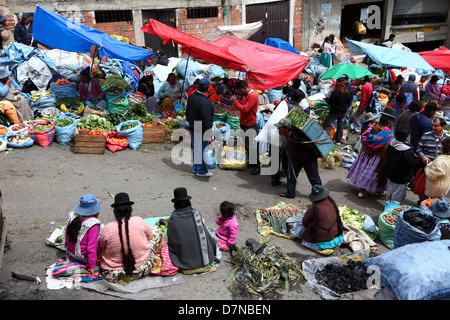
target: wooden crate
155 133
85 143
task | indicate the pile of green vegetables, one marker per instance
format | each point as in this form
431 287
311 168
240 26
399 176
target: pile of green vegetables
262 274
41 127
138 112
63 122
129 126
115 118
354 218
115 81
94 122
36 95
298 117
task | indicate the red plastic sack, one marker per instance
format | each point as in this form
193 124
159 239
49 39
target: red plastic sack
42 138
112 145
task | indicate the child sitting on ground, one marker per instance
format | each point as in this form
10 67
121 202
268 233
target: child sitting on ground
228 227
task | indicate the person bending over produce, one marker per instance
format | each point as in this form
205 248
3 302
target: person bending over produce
14 107
300 155
90 90
191 246
125 244
322 221
81 234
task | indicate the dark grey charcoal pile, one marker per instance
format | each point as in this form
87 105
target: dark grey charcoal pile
419 220
341 279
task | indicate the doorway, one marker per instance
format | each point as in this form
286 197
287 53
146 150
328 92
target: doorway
352 13
155 43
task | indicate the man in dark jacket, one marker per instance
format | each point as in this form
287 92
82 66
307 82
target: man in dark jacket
301 154
23 31
401 165
421 123
199 114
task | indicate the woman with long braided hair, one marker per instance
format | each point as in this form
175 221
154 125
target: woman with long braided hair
125 244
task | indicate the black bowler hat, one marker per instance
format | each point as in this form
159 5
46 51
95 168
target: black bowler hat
180 194
122 199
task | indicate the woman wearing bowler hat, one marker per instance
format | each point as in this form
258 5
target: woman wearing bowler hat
80 236
322 222
191 246
125 244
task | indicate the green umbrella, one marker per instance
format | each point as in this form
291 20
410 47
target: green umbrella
351 70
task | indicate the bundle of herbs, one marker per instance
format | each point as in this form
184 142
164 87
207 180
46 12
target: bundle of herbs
260 275
115 81
138 112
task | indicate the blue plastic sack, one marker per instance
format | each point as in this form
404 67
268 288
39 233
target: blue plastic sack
418 271
63 135
225 130
274 94
63 90
28 142
405 233
133 135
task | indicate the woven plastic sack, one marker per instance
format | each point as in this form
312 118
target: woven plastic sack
405 233
224 130
42 138
417 271
64 135
233 122
27 143
63 90
386 231
118 107
133 135
114 146
220 116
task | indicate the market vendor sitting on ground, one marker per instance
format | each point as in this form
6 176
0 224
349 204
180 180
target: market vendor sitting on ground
191 246
23 31
147 88
14 107
322 221
170 93
125 244
80 235
90 90
299 155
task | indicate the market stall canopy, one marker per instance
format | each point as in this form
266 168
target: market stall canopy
268 67
243 31
388 56
351 70
280 44
438 59
56 31
196 47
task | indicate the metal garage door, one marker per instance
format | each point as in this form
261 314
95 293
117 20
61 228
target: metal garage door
164 16
275 18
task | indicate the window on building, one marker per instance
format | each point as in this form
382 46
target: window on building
411 12
113 16
198 13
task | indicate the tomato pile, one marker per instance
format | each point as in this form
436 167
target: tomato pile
95 132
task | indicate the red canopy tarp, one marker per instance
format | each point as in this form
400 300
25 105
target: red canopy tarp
268 67
194 46
438 59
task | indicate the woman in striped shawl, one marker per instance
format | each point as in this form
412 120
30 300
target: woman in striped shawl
368 172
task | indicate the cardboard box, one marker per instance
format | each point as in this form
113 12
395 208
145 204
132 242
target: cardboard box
85 143
154 133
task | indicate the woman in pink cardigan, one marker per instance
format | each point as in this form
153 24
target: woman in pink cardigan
125 244
227 231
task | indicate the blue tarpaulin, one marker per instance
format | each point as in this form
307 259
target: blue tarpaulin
280 44
388 56
58 32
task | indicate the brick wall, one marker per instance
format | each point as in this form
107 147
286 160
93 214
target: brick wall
298 25
199 28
